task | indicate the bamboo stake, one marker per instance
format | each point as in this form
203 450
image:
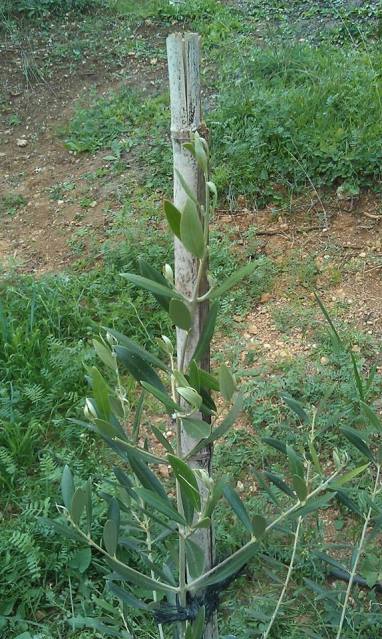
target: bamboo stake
183 51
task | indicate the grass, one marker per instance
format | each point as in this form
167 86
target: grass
10 203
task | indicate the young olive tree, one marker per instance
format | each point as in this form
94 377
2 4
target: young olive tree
155 520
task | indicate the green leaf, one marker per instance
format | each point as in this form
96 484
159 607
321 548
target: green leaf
180 314
133 347
357 378
231 281
214 496
317 503
300 487
227 382
354 438
259 526
191 396
138 453
163 397
163 506
138 367
146 270
110 537
296 467
328 319
207 332
195 558
173 216
81 560
147 478
202 523
67 487
371 417
78 504
105 354
201 155
196 428
238 507
62 529
186 188
228 421
279 483
275 443
314 457
214 191
296 407
344 479
191 230
101 393
127 597
138 578
135 427
226 568
162 439
188 486
151 285
199 624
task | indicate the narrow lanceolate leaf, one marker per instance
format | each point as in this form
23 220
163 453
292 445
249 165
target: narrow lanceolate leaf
374 422
150 285
163 506
214 496
133 451
101 393
186 187
105 354
349 476
78 504
147 478
191 230
67 487
138 367
226 568
296 407
275 443
195 558
138 578
279 483
127 597
110 537
227 382
162 439
187 481
173 216
146 270
207 332
201 155
296 466
88 505
238 507
300 487
354 438
196 428
228 421
133 347
231 281
198 624
180 314
163 397
312 505
259 526
191 396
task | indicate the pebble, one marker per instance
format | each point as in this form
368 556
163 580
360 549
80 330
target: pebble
21 142
324 360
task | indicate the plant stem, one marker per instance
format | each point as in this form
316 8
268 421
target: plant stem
150 556
286 583
242 551
358 555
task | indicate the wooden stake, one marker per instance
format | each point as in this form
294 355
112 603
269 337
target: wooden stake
183 51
